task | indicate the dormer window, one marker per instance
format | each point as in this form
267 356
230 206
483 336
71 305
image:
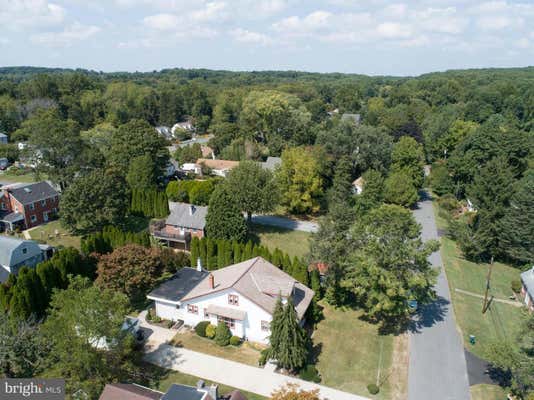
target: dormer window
43 202
233 300
24 251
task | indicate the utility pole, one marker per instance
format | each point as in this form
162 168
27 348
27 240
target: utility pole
485 306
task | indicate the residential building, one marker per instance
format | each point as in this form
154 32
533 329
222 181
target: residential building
218 167
3 138
242 295
184 222
16 253
354 118
184 125
271 163
527 289
207 152
357 185
24 206
164 131
132 391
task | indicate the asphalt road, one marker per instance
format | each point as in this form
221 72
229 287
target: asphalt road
437 368
285 223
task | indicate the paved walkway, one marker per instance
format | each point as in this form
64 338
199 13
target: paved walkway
479 296
437 368
231 373
286 223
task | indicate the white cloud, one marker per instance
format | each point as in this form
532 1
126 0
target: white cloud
71 34
297 25
496 22
246 36
29 14
393 30
162 22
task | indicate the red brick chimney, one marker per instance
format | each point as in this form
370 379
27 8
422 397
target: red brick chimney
211 280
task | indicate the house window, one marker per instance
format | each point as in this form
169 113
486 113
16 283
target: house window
45 216
265 326
33 218
32 206
192 309
43 202
24 251
233 299
177 306
230 323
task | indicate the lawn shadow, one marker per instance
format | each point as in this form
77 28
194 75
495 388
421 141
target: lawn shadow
429 314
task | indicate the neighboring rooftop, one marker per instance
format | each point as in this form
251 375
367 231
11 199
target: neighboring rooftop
3 135
271 163
8 246
236 395
187 215
31 192
182 392
356 118
527 278
128 391
218 164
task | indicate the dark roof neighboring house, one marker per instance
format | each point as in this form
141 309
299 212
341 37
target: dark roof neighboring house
527 278
271 163
30 193
356 118
187 215
235 395
182 392
179 285
128 391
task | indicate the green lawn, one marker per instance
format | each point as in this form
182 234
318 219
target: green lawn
162 379
350 353
501 320
11 177
54 234
247 353
487 392
294 243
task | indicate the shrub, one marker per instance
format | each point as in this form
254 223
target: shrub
264 356
373 389
516 285
310 373
200 329
211 330
170 324
448 202
235 340
223 334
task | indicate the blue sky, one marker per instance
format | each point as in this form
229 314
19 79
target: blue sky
362 36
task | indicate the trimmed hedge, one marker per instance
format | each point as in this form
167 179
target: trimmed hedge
211 330
373 389
310 373
235 340
223 334
111 238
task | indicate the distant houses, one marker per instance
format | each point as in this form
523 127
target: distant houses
527 289
357 185
271 163
16 253
24 206
353 118
3 138
217 167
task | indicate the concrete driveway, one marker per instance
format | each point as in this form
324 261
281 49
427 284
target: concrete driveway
285 223
437 368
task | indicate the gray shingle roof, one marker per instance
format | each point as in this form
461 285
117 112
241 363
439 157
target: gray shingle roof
351 117
182 392
179 285
2 135
528 281
11 217
259 281
187 215
33 192
271 163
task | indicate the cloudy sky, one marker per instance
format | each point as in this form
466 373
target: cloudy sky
362 36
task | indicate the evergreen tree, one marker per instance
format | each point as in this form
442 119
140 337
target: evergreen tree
211 254
222 334
237 251
224 220
315 280
195 252
288 339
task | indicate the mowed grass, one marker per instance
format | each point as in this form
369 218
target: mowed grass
162 379
351 352
247 353
501 320
487 392
54 234
294 243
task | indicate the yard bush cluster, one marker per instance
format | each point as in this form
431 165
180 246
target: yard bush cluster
220 333
28 293
310 373
516 285
110 238
194 192
215 254
149 203
373 389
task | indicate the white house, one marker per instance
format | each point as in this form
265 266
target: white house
357 185
242 295
16 253
527 289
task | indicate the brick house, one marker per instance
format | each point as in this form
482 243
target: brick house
184 222
24 206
